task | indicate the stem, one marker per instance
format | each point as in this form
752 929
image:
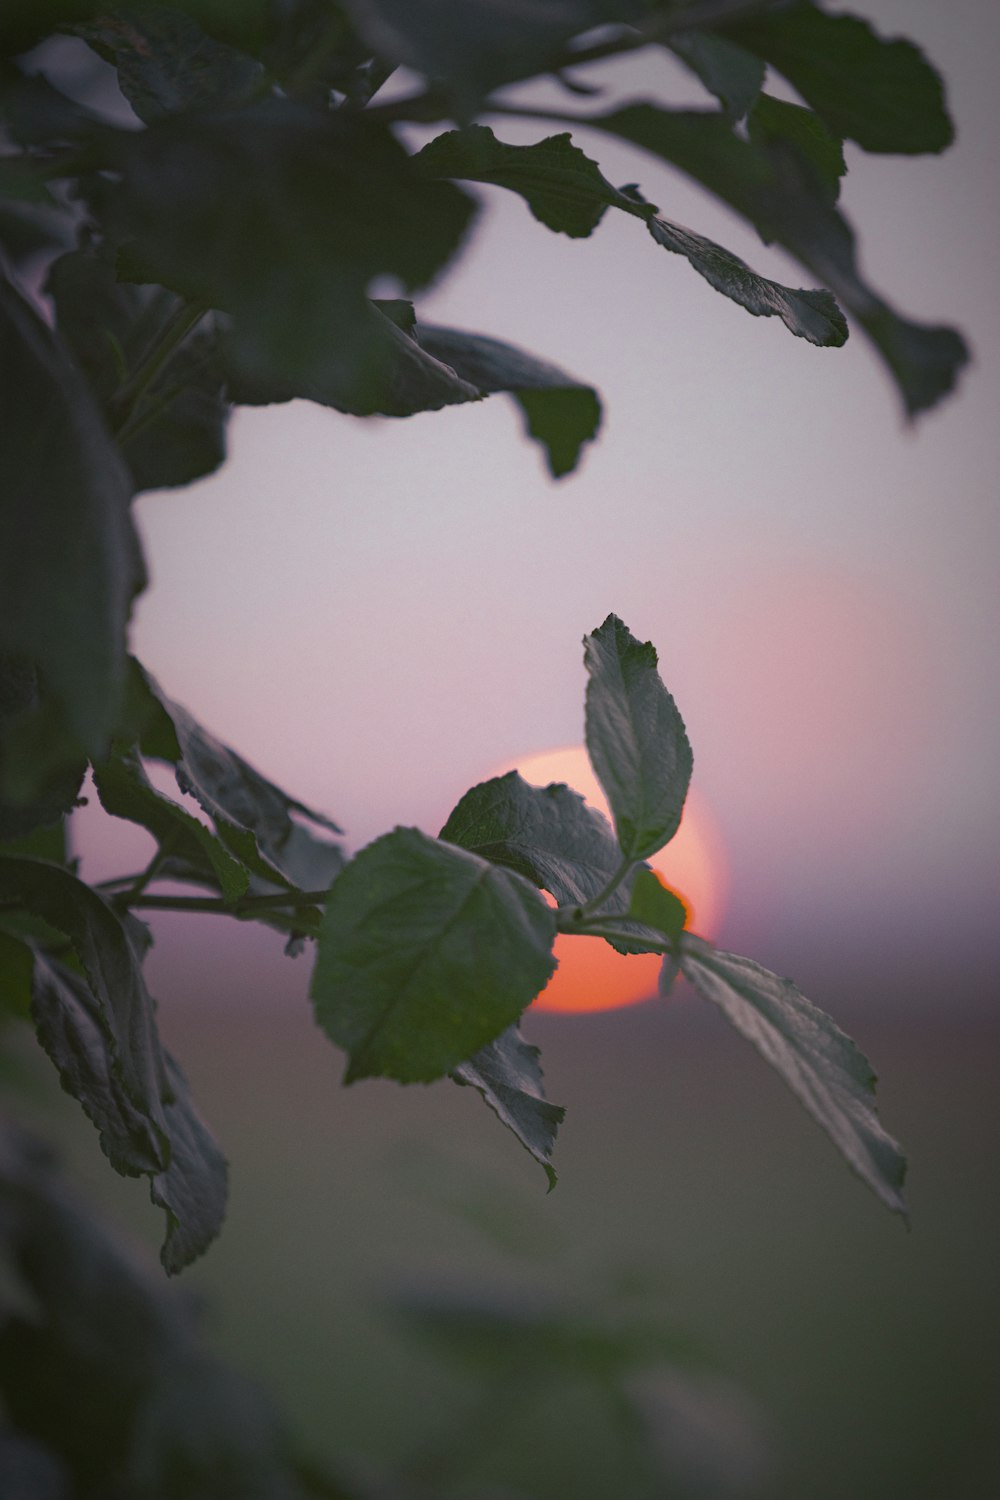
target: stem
593 906
125 400
276 902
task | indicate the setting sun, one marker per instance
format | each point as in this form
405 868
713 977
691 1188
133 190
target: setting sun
591 975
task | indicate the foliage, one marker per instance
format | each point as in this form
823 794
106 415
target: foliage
216 240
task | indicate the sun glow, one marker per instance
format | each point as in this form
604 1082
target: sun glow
591 975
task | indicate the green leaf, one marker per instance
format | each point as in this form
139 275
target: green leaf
560 412
635 739
260 824
507 1073
99 1029
883 94
70 562
655 905
780 195
426 954
15 976
822 1066
126 792
282 216
812 315
774 122
729 72
178 432
564 189
166 63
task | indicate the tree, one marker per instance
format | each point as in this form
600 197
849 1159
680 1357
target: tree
133 319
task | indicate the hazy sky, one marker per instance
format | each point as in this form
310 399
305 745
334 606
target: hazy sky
379 613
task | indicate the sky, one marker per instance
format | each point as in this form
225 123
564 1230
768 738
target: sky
380 613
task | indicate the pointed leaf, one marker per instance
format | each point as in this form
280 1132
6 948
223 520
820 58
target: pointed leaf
732 74
561 413
564 189
779 193
70 563
774 121
166 63
830 1076
635 738
508 1075
883 94
656 905
812 315
426 954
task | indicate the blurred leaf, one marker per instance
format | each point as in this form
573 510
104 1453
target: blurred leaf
70 562
15 977
38 114
812 315
314 207
254 818
635 738
99 1029
830 1076
775 121
508 1075
167 64
564 189
729 72
178 432
883 94
656 905
126 792
780 195
561 413
426 954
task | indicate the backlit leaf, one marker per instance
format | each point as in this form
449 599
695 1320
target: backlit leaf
655 905
426 954
728 71
775 122
507 1074
635 739
830 1076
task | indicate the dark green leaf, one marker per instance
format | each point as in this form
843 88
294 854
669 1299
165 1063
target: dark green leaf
883 94
15 976
560 413
822 1066
282 217
656 905
263 827
729 72
36 113
36 794
22 180
178 432
426 954
508 1075
166 63
812 315
126 792
635 738
99 1029
774 122
70 563
564 189
780 194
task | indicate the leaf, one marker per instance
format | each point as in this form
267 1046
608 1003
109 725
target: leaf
426 954
315 206
729 72
70 562
774 122
812 315
635 739
260 824
126 792
655 905
178 433
99 1029
883 94
547 834
15 977
564 189
822 1066
506 1072
166 63
561 413
779 193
